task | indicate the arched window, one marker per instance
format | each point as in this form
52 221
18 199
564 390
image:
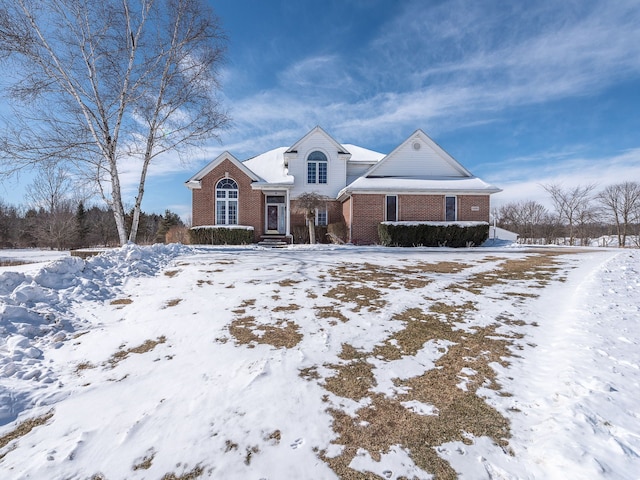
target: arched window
317 167
226 202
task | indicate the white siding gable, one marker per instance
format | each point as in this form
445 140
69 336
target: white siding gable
297 155
418 156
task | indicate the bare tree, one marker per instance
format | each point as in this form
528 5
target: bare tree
308 204
530 219
573 205
621 203
106 85
50 187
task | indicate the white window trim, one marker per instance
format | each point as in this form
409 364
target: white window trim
326 212
317 162
386 209
455 208
226 201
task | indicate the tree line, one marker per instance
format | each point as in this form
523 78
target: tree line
69 227
580 214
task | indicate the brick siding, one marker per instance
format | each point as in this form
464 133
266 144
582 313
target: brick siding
465 204
250 202
369 210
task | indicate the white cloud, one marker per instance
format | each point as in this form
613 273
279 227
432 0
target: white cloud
450 66
525 183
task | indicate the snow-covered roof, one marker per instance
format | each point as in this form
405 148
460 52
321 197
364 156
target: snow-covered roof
360 154
417 165
419 185
269 166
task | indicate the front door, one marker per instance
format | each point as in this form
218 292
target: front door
272 217
275 214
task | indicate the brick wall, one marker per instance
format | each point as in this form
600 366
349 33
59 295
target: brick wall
465 211
421 208
250 202
369 211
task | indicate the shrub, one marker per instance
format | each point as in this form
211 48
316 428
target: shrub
221 235
432 234
178 234
301 234
339 230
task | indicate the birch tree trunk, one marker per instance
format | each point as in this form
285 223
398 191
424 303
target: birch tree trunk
116 82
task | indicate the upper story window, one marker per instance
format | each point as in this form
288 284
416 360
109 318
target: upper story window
317 167
227 202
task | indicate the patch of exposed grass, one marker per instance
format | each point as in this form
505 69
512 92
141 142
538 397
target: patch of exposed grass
537 270
23 429
196 472
171 273
309 373
250 452
419 329
274 437
288 282
146 462
330 312
172 303
121 301
353 380
281 334
145 347
451 388
84 366
362 296
378 276
286 308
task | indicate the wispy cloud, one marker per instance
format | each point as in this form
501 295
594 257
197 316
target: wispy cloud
526 183
453 64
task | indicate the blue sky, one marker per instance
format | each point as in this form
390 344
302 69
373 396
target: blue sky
520 93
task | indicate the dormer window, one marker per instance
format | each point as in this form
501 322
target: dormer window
317 167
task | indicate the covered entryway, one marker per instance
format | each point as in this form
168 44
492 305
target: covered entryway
275 215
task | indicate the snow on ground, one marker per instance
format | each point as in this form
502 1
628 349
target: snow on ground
148 361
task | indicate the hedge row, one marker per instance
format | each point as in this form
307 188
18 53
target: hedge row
220 236
427 235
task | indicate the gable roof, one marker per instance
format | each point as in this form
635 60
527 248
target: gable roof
418 165
270 166
317 129
195 181
418 156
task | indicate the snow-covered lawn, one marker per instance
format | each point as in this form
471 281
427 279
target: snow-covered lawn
319 363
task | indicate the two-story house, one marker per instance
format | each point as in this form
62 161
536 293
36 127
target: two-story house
417 181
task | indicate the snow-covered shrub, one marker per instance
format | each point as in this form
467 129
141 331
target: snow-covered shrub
215 235
433 234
